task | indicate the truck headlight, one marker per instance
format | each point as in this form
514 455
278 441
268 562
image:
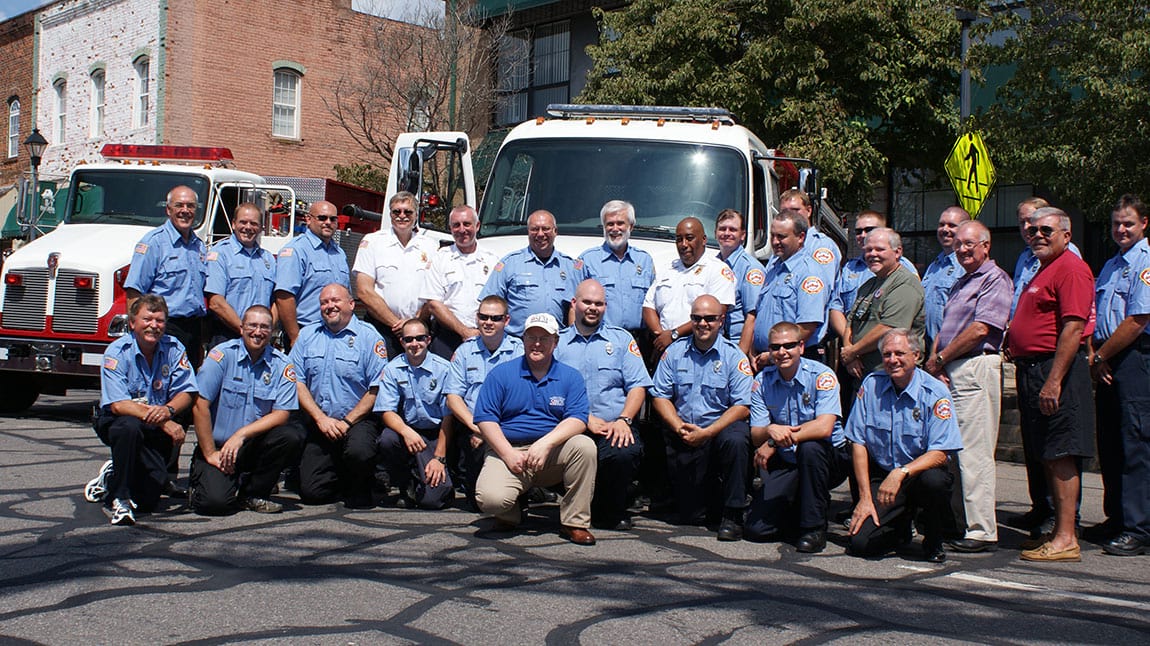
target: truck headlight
118 326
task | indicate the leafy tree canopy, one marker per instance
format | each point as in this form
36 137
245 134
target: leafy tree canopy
854 85
1073 118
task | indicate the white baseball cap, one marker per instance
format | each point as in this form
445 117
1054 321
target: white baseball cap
544 321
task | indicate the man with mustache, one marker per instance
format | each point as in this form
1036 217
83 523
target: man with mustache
624 271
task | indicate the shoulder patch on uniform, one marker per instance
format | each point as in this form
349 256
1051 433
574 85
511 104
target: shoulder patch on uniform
579 263
289 372
633 348
826 381
728 274
184 363
823 256
755 386
363 243
745 367
141 248
860 394
499 266
755 277
381 349
663 357
212 256
812 285
110 363
1145 276
286 252
942 408
216 355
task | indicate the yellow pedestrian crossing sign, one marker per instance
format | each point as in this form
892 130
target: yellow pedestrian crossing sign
970 171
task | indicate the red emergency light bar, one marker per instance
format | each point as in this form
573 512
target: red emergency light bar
178 153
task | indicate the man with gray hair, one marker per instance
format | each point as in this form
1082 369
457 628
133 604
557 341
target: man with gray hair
904 432
1055 317
451 288
967 357
625 271
893 298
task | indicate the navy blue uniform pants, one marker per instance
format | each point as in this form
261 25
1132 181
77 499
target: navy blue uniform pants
709 478
258 466
140 454
797 494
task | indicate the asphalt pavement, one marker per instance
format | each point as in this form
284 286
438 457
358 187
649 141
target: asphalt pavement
327 575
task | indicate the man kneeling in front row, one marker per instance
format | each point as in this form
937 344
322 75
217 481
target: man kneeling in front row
247 390
532 412
903 432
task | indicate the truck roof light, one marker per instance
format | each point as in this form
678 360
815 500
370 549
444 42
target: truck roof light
715 124
539 120
625 120
15 280
590 120
143 152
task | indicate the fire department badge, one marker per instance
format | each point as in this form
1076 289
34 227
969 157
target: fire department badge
633 348
165 371
745 367
755 277
826 381
289 372
718 367
942 408
609 348
1145 276
812 285
381 349
267 378
184 362
823 256
728 274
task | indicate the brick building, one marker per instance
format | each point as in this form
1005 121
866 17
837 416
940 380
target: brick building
252 76
16 92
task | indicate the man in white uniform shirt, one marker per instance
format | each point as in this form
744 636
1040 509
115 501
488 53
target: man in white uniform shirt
451 288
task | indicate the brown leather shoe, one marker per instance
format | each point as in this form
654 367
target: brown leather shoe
577 535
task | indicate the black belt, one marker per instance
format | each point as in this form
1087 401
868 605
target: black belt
1033 359
1141 344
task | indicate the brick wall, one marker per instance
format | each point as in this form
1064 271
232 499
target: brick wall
16 42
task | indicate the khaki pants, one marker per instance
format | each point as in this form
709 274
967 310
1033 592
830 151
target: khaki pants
574 464
976 386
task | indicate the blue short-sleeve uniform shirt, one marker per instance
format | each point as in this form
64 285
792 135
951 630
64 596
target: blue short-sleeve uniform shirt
304 267
415 392
126 374
610 363
243 276
703 385
625 281
1123 289
165 265
530 285
241 390
339 368
471 363
813 391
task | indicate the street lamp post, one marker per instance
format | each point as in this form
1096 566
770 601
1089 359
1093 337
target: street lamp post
36 143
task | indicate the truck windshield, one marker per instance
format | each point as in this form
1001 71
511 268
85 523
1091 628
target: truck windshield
129 196
573 178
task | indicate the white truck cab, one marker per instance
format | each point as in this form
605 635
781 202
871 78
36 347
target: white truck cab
669 162
63 298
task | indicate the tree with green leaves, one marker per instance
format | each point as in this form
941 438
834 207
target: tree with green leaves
1072 117
858 86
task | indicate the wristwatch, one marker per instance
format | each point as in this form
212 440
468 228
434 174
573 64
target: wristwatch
1097 359
442 460
771 442
629 420
171 411
905 471
675 334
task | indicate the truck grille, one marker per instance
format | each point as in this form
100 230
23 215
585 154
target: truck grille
76 309
24 304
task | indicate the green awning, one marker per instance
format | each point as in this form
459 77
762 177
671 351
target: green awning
492 8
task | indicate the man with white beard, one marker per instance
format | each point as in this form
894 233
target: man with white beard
624 271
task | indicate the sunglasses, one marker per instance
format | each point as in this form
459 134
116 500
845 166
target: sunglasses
422 338
790 345
861 230
491 317
710 318
326 218
402 212
1045 230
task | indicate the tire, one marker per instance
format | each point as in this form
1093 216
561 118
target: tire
17 392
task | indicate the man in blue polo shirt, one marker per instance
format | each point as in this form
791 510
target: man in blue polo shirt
532 413
240 274
243 440
617 381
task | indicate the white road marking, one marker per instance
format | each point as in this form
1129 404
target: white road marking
1028 587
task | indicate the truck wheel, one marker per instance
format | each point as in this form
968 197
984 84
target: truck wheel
19 393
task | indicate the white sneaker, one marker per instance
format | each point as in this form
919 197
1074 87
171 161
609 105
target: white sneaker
122 513
97 487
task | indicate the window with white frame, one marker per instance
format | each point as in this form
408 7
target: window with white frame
60 87
96 111
13 127
286 103
143 100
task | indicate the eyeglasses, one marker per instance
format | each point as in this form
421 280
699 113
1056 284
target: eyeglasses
710 318
422 338
1045 230
536 339
967 244
326 218
257 327
790 345
491 317
183 205
402 212
862 230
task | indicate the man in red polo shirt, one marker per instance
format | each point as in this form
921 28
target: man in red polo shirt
1055 316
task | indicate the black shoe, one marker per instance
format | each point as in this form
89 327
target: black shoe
972 546
1103 532
173 490
622 525
812 542
730 530
1127 544
932 551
